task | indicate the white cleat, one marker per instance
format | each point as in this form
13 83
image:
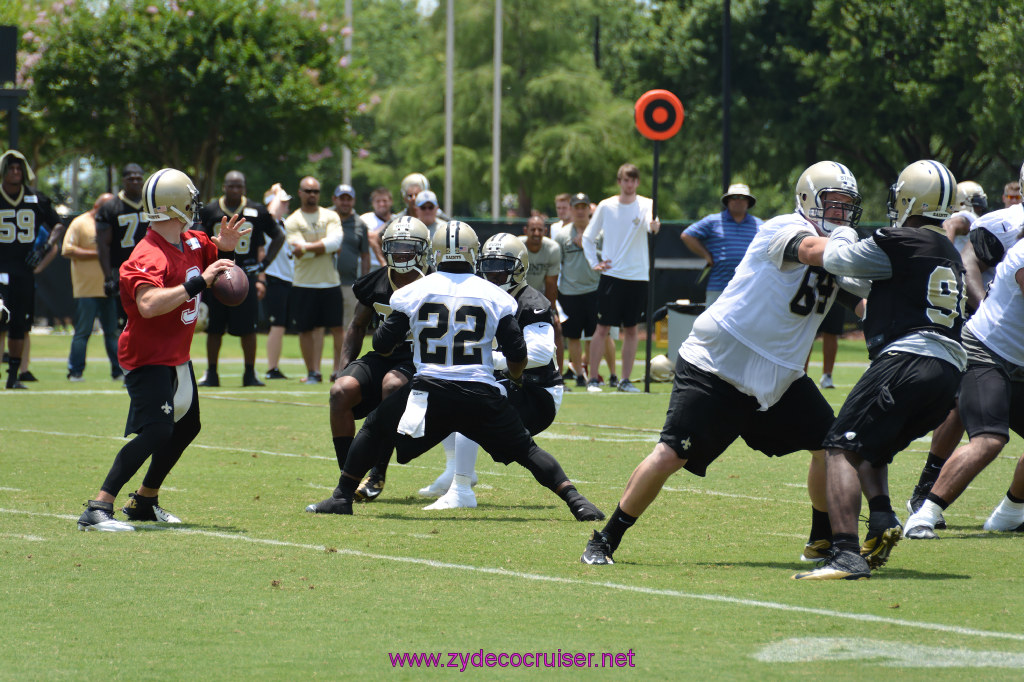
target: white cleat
441 485
1006 517
459 495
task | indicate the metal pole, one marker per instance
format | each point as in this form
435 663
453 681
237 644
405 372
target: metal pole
496 118
449 105
726 94
650 269
346 152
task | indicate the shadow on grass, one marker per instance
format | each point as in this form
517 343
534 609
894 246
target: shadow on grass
190 526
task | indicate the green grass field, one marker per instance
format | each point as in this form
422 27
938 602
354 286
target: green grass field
252 587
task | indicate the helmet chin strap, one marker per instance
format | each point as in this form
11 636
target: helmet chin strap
906 214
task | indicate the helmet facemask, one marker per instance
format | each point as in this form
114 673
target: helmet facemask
499 270
406 255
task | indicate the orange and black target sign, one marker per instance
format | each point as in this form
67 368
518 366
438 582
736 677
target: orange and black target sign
659 114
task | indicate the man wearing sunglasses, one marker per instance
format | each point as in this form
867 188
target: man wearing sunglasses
314 234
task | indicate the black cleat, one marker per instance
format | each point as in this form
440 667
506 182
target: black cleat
275 373
100 516
841 565
209 380
15 385
918 498
884 531
584 510
27 376
332 505
371 487
140 509
251 380
598 551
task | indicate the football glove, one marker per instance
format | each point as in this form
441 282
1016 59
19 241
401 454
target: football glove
516 381
35 257
255 269
110 288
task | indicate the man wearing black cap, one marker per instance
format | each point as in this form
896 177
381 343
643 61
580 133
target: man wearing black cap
353 258
119 227
722 238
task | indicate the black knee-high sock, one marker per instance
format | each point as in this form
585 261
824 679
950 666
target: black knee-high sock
133 455
545 468
930 472
821 526
341 447
618 523
847 541
880 503
13 365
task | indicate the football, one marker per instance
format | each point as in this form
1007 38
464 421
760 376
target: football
232 287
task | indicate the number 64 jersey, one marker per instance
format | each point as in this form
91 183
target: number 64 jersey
772 306
454 318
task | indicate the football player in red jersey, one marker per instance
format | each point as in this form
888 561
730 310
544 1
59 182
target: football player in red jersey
160 287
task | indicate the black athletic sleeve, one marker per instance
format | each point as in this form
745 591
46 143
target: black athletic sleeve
848 299
987 247
394 331
510 338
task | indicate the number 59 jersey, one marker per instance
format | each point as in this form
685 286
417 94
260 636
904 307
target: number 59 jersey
454 318
771 306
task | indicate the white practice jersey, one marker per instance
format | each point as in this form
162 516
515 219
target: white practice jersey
999 322
1005 224
453 319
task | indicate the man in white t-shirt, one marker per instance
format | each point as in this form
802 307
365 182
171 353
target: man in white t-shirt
376 220
623 221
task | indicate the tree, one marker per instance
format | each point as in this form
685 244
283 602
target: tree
195 83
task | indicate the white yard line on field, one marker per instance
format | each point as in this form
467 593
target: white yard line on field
538 577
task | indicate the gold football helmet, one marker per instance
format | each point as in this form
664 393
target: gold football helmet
504 261
970 196
924 188
406 244
822 177
455 243
168 195
662 368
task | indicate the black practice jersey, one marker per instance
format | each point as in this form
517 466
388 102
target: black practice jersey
534 308
374 290
262 223
925 292
20 219
125 218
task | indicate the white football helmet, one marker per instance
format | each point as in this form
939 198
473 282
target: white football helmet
455 243
406 244
970 196
662 368
504 261
924 188
822 177
169 194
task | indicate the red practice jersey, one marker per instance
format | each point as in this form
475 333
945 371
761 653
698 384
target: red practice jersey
164 339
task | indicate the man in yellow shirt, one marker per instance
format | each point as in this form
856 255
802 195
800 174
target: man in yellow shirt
79 246
315 302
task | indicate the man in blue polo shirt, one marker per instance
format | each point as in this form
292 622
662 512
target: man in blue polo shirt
721 239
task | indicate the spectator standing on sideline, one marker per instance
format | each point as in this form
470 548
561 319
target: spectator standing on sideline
412 185
120 225
376 220
577 285
315 235
352 260
278 276
722 238
1011 194
545 263
427 211
624 221
251 256
160 284
87 287
27 245
563 209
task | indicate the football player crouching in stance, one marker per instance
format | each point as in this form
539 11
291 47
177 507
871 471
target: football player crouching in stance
504 261
455 317
365 381
160 286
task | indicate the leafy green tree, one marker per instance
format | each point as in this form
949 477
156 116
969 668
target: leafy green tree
197 84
